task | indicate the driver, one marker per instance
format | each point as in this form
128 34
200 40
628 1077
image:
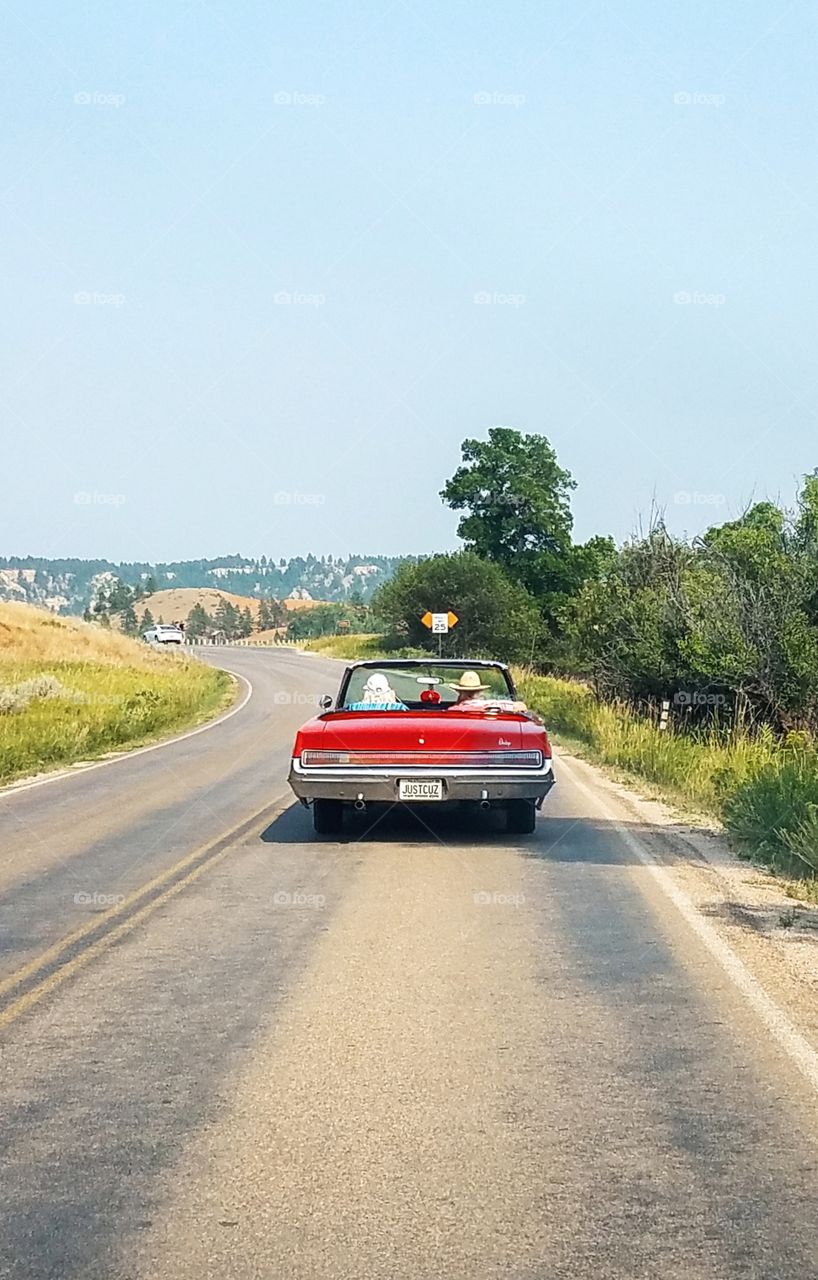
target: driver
468 689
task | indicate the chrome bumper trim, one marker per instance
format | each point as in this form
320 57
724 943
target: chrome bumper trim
381 783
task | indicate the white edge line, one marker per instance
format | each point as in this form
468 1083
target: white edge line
796 1046
60 775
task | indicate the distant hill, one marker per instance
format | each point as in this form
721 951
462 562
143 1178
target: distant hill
175 603
68 586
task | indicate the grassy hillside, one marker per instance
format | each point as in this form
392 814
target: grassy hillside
71 691
175 603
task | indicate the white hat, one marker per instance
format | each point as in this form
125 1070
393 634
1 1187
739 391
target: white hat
376 683
378 689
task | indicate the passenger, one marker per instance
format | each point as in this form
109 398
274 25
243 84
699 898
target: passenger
378 695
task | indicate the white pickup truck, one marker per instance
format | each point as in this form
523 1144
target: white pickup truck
164 633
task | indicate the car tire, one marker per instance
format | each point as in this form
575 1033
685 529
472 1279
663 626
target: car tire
327 817
521 817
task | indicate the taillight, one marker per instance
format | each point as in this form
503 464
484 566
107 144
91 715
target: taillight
313 759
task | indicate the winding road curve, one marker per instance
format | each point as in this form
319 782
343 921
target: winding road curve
229 1049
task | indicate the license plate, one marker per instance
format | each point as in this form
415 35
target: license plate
420 789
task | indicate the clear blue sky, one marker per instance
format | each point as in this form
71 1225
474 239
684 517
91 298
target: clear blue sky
172 172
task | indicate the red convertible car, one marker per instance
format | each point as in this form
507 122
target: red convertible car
425 731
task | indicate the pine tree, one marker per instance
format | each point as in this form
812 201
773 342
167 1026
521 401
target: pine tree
265 618
198 622
129 619
120 596
227 618
147 621
245 623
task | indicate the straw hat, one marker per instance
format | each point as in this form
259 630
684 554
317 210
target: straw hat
469 682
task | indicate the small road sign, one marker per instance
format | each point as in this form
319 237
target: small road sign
439 623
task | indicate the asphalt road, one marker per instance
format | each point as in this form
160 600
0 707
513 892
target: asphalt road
229 1049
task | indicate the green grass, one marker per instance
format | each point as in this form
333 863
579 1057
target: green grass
697 769
356 646
69 692
764 790
102 709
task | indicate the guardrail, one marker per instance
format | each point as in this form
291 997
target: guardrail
237 644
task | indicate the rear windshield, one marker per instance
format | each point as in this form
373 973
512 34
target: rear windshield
406 686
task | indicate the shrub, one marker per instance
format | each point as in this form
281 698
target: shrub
764 789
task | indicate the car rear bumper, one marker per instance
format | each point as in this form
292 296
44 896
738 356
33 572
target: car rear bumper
377 784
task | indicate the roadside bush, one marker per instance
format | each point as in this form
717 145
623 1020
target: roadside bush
764 789
775 811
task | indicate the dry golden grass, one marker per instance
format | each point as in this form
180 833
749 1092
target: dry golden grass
71 690
28 634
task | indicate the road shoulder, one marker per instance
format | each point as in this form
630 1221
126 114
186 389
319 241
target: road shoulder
745 905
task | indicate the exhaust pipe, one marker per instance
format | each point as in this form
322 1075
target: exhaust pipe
484 800
360 803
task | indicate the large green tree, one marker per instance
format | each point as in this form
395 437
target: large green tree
515 496
497 617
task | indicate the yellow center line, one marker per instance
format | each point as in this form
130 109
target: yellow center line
122 909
